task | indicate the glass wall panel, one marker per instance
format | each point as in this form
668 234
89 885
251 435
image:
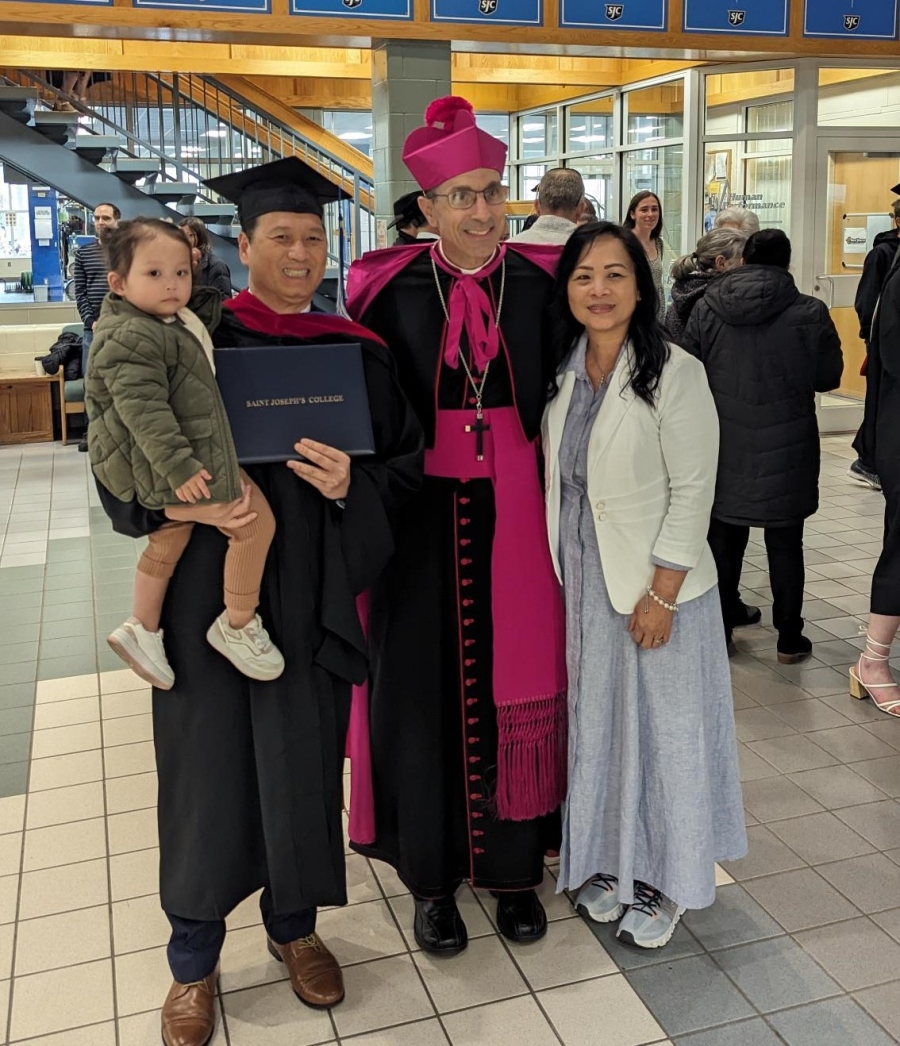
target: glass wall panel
859 97
732 98
660 171
15 238
590 126
538 135
755 175
655 113
597 173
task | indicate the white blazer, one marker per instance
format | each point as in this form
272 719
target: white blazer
651 476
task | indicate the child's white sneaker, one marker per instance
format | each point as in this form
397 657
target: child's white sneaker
249 649
144 652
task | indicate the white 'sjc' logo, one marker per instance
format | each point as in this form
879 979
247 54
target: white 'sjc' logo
487 7
615 11
351 3
851 22
736 17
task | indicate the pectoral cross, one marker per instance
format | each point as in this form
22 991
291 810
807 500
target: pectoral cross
479 428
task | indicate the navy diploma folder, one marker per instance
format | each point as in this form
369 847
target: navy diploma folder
276 395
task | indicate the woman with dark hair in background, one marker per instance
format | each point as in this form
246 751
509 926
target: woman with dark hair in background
717 252
767 350
212 271
645 219
630 442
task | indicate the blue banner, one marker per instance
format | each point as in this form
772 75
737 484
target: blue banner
757 17
256 7
865 19
594 14
488 12
398 10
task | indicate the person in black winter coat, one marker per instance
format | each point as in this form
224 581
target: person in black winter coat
211 271
767 349
717 252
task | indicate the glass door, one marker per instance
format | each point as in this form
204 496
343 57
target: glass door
853 205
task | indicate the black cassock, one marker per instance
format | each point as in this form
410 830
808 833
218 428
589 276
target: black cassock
434 738
250 774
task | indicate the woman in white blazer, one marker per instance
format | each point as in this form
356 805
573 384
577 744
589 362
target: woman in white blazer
631 446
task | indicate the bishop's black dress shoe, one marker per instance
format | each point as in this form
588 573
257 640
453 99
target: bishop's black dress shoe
521 916
438 926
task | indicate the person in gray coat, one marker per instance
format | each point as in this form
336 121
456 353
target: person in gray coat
559 204
767 349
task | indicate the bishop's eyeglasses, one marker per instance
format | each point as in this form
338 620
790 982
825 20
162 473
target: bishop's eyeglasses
463 199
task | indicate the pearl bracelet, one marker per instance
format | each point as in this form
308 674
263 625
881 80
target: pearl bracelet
671 607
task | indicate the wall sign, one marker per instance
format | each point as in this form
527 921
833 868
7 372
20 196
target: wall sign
759 17
257 7
399 10
865 19
488 12
595 14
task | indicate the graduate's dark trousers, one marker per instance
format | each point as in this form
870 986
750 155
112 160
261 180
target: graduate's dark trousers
787 573
195 944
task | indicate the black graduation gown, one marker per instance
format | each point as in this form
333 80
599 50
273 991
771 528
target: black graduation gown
250 774
433 721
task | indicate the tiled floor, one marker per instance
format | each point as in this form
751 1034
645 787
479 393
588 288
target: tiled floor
802 947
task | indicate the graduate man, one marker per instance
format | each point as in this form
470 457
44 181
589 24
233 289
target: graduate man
468 683
250 774
410 223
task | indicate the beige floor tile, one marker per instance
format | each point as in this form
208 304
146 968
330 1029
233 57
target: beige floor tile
135 830
64 889
66 689
81 995
119 681
93 1035
9 900
390 881
273 1015
514 1022
62 740
12 814
127 730
246 914
139 924
62 940
61 805
135 792
128 703
134 874
11 853
142 981
126 760
722 877
63 770
485 973
361 882
569 952
578 1010
477 922
246 962
67 713
142 1029
64 844
421 1033
7 939
360 932
5 991
381 994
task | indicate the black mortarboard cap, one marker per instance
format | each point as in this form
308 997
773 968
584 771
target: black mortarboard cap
406 209
283 185
896 189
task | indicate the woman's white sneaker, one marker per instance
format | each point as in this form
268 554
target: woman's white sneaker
651 920
249 649
143 652
600 899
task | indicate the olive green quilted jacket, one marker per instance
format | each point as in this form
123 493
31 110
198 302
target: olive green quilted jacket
155 414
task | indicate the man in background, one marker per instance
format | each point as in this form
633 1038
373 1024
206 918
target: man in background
91 286
409 221
738 218
560 200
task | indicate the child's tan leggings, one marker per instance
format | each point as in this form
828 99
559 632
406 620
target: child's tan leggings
245 559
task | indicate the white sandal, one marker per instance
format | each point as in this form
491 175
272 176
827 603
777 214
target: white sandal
861 690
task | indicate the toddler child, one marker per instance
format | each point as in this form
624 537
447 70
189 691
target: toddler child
159 434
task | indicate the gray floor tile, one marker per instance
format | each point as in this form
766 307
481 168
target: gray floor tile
857 953
792 753
82 610
871 882
746 1033
887 730
16 695
767 855
84 628
10 587
735 918
800 899
752 766
857 711
775 798
813 714
58 569
20 616
851 744
14 652
834 1022
877 822
824 682
22 633
628 957
79 594
69 646
23 672
60 667
839 786
25 600
13 779
756 724
776 974
889 922
16 720
692 995
883 1003
820 837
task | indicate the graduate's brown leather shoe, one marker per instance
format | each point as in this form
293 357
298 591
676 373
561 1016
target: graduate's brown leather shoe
189 1012
315 975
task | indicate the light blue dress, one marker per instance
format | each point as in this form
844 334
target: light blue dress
654 790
